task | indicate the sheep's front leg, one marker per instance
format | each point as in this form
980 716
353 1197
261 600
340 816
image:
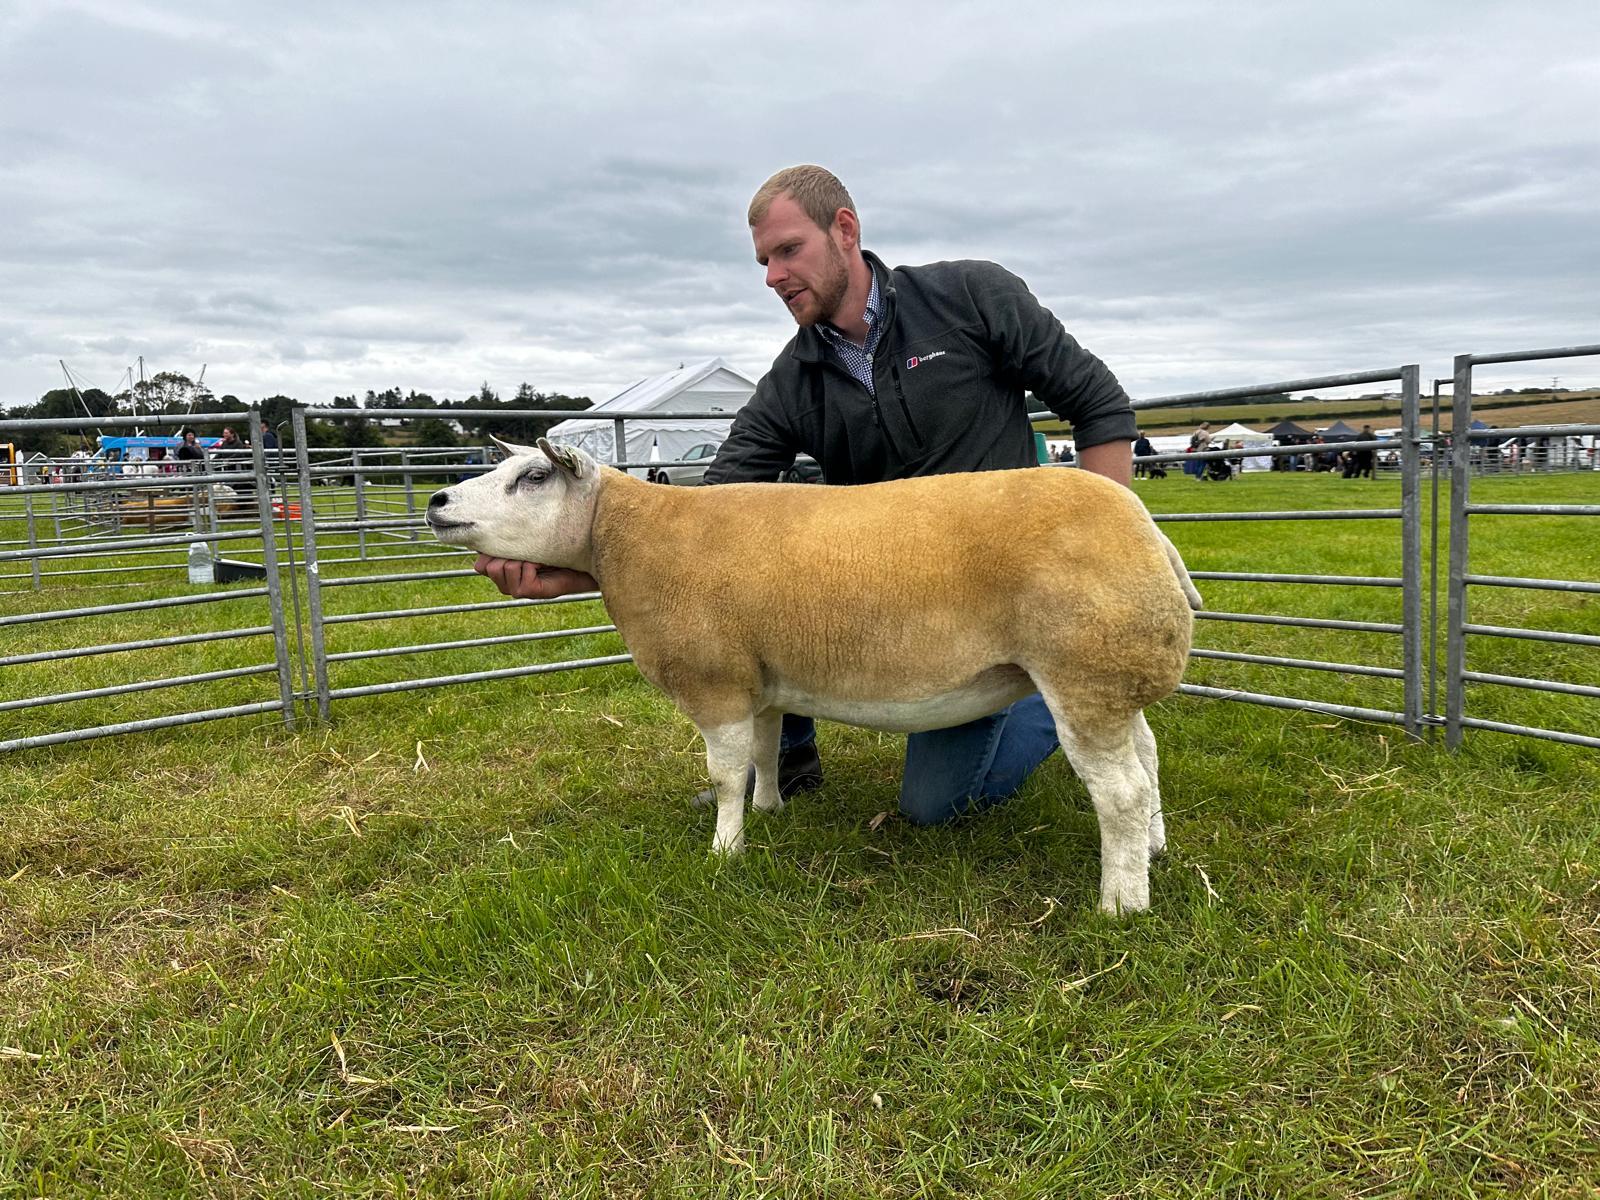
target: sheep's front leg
727 758
768 734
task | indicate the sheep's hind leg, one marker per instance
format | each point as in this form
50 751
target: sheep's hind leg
727 759
768 734
1144 742
1103 751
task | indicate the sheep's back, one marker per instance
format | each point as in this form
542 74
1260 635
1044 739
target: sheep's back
912 583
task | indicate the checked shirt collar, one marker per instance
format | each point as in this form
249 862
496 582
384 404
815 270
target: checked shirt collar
853 358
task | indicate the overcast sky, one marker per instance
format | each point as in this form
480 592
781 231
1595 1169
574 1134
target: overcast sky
319 199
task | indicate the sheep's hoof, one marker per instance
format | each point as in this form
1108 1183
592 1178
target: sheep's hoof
774 805
1130 898
727 848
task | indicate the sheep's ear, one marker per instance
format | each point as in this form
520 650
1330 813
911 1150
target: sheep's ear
564 457
510 448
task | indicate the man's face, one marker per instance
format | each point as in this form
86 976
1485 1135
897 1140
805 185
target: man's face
805 265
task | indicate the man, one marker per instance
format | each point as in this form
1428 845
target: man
893 374
1143 447
1366 459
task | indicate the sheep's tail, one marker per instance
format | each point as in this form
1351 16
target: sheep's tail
1182 572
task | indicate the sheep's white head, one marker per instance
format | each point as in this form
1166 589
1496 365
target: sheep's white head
537 506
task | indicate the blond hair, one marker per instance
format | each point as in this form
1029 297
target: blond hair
816 190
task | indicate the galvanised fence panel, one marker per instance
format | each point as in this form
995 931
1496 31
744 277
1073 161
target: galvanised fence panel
141 535
1405 664
349 576
1476 454
367 509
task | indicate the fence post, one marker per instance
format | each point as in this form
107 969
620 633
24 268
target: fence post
33 539
1456 608
411 496
361 505
308 546
1433 562
1411 547
269 559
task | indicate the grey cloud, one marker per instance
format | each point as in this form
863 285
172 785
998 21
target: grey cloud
306 196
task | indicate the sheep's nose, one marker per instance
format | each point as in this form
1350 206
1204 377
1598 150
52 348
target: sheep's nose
438 500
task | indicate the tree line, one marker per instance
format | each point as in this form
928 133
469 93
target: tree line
171 393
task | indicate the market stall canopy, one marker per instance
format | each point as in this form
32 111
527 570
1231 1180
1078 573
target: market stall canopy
1287 428
1339 432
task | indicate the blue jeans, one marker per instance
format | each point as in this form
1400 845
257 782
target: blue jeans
966 768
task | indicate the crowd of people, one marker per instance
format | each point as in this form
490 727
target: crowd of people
1355 462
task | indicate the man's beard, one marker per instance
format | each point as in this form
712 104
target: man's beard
830 289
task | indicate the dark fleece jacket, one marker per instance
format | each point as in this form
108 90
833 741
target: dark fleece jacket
962 344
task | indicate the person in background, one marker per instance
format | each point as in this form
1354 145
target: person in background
229 460
1366 459
1142 448
191 455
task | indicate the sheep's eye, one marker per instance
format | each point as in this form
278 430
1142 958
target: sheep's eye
531 478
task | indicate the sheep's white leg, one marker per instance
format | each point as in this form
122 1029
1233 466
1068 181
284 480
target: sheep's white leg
1104 756
1120 791
1144 742
727 757
768 734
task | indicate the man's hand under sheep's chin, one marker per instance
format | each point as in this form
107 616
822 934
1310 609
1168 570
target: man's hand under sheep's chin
533 581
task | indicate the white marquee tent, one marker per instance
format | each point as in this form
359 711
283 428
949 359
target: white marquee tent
710 385
1245 436
1241 433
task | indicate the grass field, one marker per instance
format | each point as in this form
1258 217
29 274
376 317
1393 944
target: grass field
469 941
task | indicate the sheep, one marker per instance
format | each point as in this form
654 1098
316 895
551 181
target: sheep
910 605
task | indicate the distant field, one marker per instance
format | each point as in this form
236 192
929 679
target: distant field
1574 408
1574 412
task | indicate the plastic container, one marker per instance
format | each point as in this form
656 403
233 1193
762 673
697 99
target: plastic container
200 570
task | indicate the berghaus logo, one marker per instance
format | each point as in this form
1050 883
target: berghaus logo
915 361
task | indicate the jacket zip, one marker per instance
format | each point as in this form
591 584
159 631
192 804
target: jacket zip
887 294
899 394
828 364
884 325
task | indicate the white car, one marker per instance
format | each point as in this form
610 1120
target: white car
690 471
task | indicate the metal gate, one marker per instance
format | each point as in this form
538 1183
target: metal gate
1468 454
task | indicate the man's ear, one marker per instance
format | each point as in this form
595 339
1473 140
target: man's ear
849 226
564 457
511 448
